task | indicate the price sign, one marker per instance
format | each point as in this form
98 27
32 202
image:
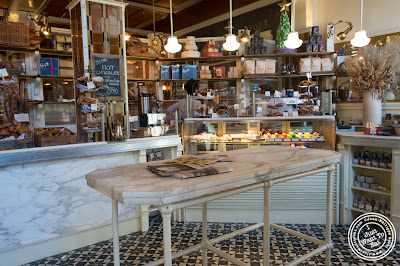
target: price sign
267 94
295 113
316 108
236 106
210 111
22 117
309 76
259 109
296 94
208 94
285 114
93 107
91 85
133 118
3 72
214 115
159 154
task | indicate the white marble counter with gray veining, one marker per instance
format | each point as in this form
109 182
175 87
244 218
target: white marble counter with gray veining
134 184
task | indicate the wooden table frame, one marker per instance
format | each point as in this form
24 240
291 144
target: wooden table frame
207 244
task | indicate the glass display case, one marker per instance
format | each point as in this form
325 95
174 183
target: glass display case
210 135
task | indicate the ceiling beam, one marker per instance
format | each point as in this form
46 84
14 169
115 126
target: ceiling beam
42 6
144 32
57 20
13 7
225 16
176 9
148 7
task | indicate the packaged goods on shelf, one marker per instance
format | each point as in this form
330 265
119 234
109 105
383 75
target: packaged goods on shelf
54 136
210 49
205 72
270 67
166 72
176 72
316 64
260 67
191 49
326 64
189 72
305 65
49 66
233 72
219 72
250 66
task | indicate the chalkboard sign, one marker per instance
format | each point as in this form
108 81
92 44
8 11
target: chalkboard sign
109 67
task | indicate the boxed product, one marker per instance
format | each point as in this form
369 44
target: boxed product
250 66
260 67
49 66
309 48
66 67
251 49
189 71
233 72
176 72
369 179
316 64
165 72
219 72
315 30
366 185
205 72
63 42
322 47
270 66
361 178
315 48
253 41
313 39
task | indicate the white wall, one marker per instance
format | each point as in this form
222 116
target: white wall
380 17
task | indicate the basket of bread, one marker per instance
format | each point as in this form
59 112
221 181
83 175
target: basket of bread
92 125
90 105
86 84
54 136
15 135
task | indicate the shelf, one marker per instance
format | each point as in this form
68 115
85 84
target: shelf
33 49
254 142
358 210
17 49
371 191
45 77
185 80
372 168
44 102
55 52
140 79
139 58
208 58
315 74
287 55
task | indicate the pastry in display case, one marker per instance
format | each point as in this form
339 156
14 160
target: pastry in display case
203 135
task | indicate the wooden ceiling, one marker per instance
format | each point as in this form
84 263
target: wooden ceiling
186 12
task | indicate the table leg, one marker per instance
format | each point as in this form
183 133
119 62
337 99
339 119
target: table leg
167 238
115 232
266 250
328 215
204 233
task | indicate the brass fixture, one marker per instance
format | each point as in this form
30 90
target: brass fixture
245 36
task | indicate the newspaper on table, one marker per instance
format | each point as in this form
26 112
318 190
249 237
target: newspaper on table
192 166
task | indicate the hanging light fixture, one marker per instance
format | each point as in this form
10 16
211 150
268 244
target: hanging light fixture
360 38
293 41
245 36
231 43
172 45
43 22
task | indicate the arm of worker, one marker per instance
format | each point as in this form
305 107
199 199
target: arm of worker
171 112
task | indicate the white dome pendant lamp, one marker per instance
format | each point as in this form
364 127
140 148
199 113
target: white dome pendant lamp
231 44
293 41
360 37
172 45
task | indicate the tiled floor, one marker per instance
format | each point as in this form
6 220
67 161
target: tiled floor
141 248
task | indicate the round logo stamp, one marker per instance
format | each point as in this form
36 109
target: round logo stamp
372 236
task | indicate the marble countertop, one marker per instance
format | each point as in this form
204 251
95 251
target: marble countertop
134 184
359 139
39 154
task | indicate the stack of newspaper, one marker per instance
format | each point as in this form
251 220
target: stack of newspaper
192 166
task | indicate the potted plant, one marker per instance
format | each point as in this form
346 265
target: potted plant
373 72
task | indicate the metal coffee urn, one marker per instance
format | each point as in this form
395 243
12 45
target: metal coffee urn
144 107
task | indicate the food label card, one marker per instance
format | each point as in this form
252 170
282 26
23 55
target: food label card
22 117
3 72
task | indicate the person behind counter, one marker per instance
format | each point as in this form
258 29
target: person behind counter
191 87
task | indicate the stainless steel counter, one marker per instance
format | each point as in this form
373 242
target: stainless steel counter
41 154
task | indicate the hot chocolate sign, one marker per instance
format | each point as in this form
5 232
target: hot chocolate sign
109 69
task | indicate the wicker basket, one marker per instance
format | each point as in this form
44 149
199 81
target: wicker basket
14 34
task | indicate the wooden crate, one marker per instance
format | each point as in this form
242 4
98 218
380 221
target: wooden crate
53 141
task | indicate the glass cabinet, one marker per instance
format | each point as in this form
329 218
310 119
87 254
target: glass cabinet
210 135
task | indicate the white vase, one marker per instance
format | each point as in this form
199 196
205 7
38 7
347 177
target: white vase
389 96
372 108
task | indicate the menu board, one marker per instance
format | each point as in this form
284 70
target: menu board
110 69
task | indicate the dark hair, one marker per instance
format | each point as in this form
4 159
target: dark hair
191 85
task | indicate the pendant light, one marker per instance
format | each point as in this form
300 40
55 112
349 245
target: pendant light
245 37
172 45
360 38
231 43
293 40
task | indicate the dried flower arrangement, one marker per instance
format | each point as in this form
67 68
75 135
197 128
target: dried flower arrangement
375 69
